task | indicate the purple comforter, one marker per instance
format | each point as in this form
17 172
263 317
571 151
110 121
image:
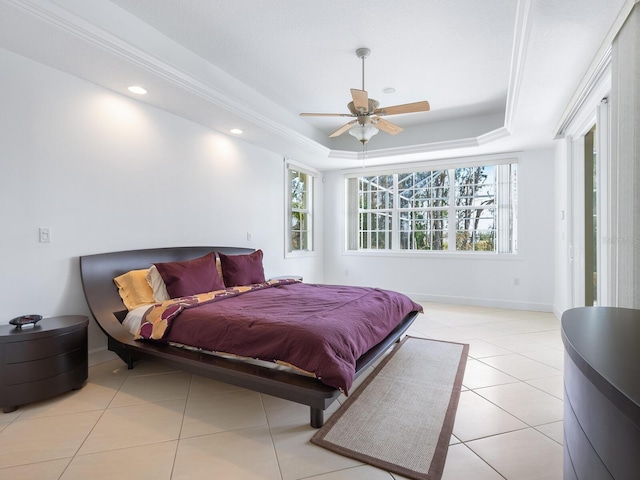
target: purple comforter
322 329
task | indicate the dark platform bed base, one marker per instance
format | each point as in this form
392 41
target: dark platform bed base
97 273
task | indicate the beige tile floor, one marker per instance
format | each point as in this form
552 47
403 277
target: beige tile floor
156 423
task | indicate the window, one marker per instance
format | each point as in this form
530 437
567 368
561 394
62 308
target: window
469 209
376 203
299 211
424 210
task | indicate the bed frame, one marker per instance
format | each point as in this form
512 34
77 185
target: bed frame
98 272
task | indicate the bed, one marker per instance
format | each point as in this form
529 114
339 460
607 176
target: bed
107 307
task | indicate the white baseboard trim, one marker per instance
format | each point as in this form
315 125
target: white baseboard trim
482 302
558 312
100 355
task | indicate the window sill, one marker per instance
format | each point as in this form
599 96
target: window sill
300 254
429 254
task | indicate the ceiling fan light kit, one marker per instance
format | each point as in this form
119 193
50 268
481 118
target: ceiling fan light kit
368 113
363 133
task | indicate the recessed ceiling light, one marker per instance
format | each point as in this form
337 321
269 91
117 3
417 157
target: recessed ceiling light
237 131
389 90
137 90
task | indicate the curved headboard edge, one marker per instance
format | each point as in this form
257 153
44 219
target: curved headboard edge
98 271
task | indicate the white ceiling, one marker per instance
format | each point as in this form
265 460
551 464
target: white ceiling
498 73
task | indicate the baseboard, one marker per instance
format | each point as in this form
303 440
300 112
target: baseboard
482 302
100 355
557 312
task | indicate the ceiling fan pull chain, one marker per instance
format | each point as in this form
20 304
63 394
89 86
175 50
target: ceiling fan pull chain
364 153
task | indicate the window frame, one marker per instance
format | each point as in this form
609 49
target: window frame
505 223
309 209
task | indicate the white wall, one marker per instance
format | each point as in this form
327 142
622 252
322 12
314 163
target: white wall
108 173
460 278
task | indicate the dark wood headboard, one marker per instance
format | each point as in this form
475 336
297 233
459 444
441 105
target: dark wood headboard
98 271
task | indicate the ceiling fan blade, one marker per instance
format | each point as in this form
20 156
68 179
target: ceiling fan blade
387 126
406 108
326 115
360 99
343 129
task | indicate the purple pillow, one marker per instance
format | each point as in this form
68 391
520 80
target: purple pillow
191 277
242 269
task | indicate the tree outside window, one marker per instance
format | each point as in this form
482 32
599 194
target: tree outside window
300 217
471 209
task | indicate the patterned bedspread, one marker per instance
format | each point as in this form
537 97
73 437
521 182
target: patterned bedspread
322 329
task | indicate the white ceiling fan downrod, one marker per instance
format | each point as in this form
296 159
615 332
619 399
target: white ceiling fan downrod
363 53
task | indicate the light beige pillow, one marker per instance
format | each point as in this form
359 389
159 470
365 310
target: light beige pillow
134 289
219 268
156 283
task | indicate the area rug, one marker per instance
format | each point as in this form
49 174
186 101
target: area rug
400 419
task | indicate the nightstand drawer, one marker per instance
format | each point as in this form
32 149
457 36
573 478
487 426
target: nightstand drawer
42 389
29 350
43 368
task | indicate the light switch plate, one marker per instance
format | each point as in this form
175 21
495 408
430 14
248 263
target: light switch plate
45 234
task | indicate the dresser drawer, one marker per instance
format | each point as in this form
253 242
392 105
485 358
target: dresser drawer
29 350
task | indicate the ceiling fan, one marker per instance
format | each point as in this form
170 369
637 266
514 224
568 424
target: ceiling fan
368 115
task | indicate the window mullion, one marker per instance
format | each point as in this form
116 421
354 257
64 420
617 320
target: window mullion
395 214
502 204
452 213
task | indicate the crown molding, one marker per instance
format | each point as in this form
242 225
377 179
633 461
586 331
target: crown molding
485 138
597 83
599 66
521 36
408 150
204 89
493 135
98 37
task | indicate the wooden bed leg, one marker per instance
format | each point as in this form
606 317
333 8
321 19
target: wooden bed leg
128 359
317 417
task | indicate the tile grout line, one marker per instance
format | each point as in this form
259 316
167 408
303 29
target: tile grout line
273 443
184 412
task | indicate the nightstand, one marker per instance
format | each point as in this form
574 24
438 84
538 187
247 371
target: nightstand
42 361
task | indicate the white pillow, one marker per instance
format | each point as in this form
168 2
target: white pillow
133 319
157 285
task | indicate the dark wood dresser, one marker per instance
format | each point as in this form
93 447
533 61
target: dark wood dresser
41 361
602 393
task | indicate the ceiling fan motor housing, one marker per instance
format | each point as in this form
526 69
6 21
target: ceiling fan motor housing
373 104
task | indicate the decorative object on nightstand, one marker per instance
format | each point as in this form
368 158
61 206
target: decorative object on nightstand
25 320
43 360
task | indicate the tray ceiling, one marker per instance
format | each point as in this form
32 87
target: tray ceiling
498 74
